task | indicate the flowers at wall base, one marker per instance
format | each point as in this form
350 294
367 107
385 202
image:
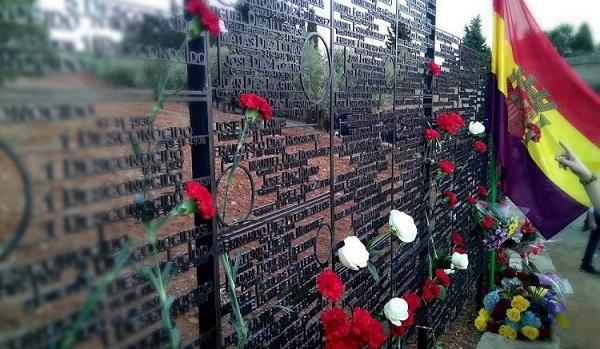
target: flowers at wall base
353 254
396 311
519 302
403 226
476 128
255 106
204 18
430 290
457 239
414 303
480 324
460 260
527 227
435 69
335 325
449 197
431 134
450 122
508 332
442 277
513 314
330 285
365 327
202 201
480 146
471 200
531 333
446 166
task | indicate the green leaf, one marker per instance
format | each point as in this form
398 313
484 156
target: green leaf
373 271
194 28
400 344
236 263
168 272
186 207
442 295
386 328
169 302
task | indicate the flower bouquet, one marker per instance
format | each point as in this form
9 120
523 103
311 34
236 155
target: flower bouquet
521 312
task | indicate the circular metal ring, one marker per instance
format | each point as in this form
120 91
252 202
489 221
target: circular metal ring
316 243
329 76
250 207
13 242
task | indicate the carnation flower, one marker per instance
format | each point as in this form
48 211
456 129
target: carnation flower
442 277
513 314
403 226
204 201
334 322
435 69
527 227
330 285
471 200
476 127
208 19
528 318
431 134
353 254
450 196
459 249
531 333
481 190
367 328
480 146
446 166
490 300
430 290
487 222
254 105
457 239
534 132
450 122
519 302
413 300
480 324
508 332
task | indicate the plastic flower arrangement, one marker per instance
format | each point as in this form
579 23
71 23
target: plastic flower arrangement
522 312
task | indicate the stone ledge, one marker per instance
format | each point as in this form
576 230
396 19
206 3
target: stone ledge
495 341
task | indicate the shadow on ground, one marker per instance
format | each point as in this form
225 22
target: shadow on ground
566 250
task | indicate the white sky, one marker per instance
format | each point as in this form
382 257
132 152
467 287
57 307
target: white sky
453 15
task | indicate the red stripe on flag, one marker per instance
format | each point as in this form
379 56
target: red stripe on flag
536 56
499 7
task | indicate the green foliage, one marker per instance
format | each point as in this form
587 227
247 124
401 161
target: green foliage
315 71
473 37
25 41
562 38
583 42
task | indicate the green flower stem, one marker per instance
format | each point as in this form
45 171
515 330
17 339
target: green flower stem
234 165
240 325
96 295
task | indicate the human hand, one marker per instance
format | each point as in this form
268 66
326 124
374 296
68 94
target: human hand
568 159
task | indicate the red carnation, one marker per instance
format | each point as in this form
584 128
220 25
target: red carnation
499 311
536 133
527 227
251 101
330 285
431 134
480 146
397 331
410 320
335 324
435 69
492 327
510 273
413 300
457 239
481 190
459 250
210 20
451 197
450 122
471 200
446 165
348 342
430 289
442 277
204 201
426 293
487 222
367 328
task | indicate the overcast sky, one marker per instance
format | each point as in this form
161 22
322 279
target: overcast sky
453 15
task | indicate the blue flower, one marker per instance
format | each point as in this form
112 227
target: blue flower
490 300
529 319
515 326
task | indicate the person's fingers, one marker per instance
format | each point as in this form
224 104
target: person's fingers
568 151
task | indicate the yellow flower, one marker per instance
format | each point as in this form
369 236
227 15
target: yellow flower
530 332
508 332
480 324
513 314
520 303
483 313
512 227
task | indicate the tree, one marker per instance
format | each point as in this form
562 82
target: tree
562 38
25 41
583 43
473 37
402 33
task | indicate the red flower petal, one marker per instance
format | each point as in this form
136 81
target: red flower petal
330 285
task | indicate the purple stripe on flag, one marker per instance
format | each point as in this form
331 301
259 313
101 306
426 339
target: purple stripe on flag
550 208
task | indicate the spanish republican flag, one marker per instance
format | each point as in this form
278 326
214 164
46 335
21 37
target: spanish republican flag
537 101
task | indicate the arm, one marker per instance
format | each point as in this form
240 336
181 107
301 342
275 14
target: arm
570 160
